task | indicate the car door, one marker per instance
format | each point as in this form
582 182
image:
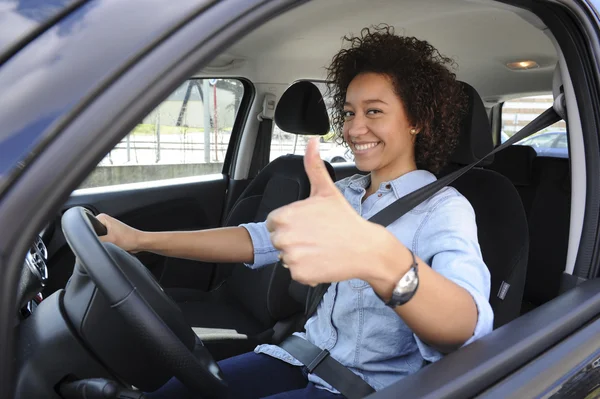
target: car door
163 177
101 113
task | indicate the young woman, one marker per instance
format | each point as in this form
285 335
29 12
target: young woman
398 107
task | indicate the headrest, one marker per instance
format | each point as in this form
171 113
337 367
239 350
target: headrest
475 140
301 110
516 163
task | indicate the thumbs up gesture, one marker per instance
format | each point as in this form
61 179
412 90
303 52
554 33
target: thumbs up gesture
322 238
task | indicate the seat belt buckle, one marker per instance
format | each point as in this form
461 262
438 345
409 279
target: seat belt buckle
504 287
317 360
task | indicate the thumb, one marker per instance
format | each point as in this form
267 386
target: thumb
320 180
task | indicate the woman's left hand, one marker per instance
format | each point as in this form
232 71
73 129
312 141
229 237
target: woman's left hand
322 238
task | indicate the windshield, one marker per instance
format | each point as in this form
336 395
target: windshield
20 17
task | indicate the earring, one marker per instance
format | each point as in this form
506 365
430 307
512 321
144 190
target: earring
413 131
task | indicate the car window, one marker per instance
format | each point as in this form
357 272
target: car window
542 140
561 142
283 143
184 136
551 141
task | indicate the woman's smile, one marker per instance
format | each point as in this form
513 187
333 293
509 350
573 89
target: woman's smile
364 148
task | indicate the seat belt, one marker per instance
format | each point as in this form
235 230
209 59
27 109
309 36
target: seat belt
318 360
262 146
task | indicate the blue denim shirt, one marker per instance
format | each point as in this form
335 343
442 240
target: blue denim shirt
352 322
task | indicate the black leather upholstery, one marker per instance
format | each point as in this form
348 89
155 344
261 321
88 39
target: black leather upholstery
501 220
242 312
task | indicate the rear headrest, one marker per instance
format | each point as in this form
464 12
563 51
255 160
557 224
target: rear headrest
516 163
301 110
475 140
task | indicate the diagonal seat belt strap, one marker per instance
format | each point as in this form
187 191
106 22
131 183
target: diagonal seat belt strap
402 205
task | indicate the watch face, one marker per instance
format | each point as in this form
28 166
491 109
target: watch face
405 289
408 282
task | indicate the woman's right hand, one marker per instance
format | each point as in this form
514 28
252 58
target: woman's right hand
120 234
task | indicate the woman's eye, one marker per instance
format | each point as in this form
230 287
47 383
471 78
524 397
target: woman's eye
348 114
373 111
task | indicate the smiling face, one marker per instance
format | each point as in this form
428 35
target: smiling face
377 128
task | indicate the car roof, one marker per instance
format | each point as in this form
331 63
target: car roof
481 37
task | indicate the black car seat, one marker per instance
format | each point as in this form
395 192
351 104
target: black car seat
501 220
252 306
516 163
549 221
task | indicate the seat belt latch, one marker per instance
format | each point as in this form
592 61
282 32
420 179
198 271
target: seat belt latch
503 290
317 360
268 108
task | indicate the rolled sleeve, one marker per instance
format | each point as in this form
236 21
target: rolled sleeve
448 243
264 252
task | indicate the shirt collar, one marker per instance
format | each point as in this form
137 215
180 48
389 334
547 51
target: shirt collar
401 186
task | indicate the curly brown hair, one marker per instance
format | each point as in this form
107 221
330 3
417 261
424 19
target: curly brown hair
434 100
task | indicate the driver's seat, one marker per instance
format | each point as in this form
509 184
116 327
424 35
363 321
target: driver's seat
254 306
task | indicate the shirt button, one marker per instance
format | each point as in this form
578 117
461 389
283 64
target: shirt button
379 195
388 186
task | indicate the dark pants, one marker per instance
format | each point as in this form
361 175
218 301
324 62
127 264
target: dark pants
254 375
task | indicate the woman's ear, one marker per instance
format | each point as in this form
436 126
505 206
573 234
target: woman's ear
417 128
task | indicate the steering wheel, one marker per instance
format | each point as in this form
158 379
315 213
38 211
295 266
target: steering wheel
149 314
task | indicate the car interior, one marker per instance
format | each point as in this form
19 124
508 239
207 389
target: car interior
529 207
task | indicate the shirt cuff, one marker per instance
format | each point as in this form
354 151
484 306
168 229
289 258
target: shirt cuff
264 252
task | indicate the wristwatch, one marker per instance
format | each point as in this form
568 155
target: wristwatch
407 286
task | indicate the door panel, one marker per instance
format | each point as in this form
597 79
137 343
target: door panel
571 369
479 366
163 207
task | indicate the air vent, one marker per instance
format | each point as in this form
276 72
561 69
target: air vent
41 248
36 259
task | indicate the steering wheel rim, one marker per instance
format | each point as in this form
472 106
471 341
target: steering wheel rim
197 370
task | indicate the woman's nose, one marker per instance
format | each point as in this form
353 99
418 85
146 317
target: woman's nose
357 126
